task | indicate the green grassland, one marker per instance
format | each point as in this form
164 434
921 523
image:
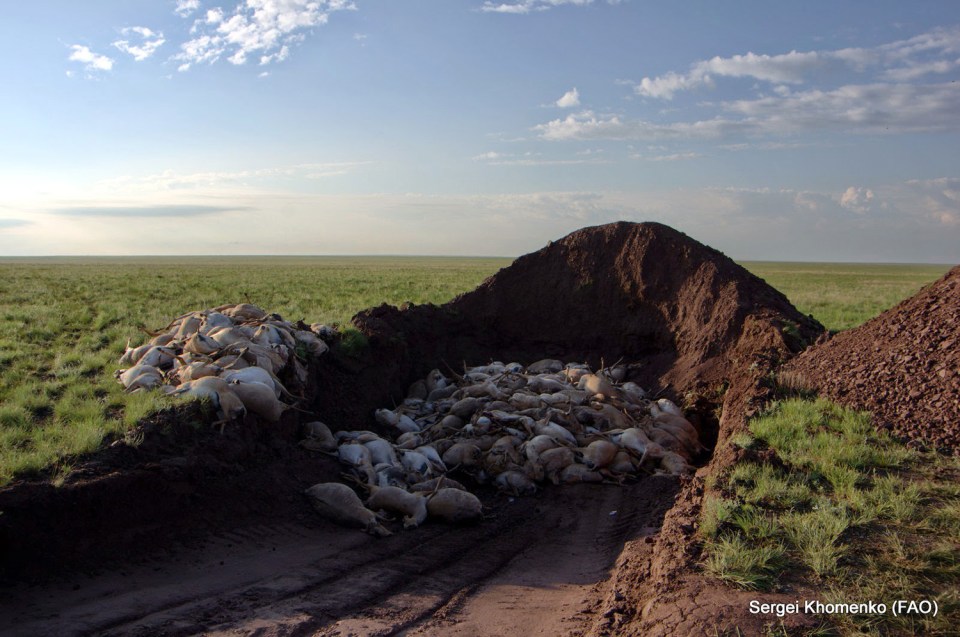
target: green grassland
64 323
845 295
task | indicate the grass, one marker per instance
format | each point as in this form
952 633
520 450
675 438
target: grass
843 510
353 342
64 323
845 295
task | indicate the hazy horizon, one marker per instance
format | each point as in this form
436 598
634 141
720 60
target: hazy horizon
165 257
809 132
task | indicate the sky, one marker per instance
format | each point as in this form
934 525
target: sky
800 131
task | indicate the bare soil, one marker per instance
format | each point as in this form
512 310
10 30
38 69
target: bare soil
291 578
903 366
193 531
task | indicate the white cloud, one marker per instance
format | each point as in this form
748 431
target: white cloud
262 28
664 86
916 70
279 56
261 177
902 60
148 44
185 8
871 108
937 199
570 99
857 199
868 108
523 161
493 158
200 50
788 68
668 158
91 61
528 6
138 211
587 125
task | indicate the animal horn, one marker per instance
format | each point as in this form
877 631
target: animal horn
457 376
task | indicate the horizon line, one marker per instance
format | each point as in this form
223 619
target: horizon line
409 256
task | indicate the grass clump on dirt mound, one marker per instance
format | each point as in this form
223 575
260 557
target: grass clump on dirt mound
824 500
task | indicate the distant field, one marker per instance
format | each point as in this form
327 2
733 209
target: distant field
845 295
64 322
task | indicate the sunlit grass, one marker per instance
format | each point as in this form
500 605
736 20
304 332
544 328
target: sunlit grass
842 507
844 295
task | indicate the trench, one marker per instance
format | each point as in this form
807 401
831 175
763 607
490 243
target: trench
174 504
403 346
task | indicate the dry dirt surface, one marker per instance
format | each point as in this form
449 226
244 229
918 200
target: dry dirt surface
903 366
197 532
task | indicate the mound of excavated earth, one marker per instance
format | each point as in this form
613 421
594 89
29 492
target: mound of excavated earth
904 366
683 319
683 315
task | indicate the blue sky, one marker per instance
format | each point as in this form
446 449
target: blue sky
770 130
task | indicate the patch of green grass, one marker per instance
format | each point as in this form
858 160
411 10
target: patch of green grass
743 440
816 535
844 295
353 342
755 522
764 485
715 513
843 508
749 565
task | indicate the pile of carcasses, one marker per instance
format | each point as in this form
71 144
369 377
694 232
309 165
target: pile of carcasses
507 425
230 354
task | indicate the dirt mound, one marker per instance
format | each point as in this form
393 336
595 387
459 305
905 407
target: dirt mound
685 316
902 366
638 290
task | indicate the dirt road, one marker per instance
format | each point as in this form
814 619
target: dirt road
536 566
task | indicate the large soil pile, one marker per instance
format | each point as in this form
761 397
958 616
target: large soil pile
904 366
683 314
